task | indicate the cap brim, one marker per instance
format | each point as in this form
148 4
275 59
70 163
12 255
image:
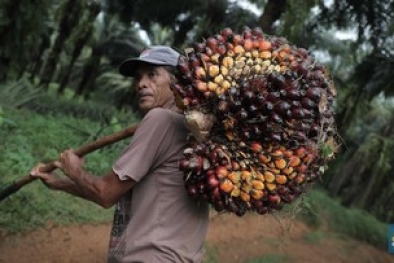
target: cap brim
129 67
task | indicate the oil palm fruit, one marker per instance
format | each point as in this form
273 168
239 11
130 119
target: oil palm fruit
273 130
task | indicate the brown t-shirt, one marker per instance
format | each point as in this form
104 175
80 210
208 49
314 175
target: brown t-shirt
157 222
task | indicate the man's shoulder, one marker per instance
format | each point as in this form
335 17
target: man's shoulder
160 115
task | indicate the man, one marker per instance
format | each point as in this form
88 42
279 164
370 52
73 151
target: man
155 220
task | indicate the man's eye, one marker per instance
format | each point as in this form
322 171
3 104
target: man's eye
152 74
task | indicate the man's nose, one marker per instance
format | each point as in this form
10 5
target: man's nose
142 82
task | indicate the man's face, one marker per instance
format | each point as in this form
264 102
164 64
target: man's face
153 86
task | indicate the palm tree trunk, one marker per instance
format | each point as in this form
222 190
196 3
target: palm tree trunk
70 17
272 12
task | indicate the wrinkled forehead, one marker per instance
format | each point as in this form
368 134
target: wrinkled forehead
144 68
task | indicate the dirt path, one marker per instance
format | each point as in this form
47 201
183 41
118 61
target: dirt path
230 240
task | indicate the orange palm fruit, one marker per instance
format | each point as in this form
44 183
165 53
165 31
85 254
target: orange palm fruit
238 49
294 161
256 147
287 170
292 175
235 192
228 62
260 176
300 178
201 86
264 45
221 172
218 79
200 73
226 186
271 187
276 154
271 165
288 153
300 152
280 163
212 86
258 185
275 171
246 175
246 188
269 177
281 179
213 71
248 44
263 158
308 158
234 177
257 194
244 196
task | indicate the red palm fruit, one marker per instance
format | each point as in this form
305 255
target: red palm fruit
235 166
212 43
274 199
226 33
215 194
184 165
194 191
301 168
199 47
221 49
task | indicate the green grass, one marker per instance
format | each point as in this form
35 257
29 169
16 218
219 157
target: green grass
35 138
210 254
314 237
317 208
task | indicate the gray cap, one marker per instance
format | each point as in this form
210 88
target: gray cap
157 55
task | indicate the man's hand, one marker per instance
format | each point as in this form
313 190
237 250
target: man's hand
49 179
70 163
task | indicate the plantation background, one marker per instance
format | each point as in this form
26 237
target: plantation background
59 88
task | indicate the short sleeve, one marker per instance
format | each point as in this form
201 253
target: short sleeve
143 152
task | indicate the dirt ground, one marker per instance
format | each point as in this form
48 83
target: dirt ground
231 240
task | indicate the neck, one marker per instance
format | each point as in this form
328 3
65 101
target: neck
171 105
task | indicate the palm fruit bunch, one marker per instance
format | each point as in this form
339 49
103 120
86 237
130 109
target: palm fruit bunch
271 129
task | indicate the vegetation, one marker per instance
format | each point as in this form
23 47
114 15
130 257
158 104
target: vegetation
60 58
31 138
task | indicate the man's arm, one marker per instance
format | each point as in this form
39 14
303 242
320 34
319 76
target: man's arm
104 190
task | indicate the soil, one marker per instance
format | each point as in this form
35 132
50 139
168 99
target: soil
230 239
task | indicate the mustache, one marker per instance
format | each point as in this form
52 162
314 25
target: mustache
142 94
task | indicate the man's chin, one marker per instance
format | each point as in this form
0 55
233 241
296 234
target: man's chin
145 106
